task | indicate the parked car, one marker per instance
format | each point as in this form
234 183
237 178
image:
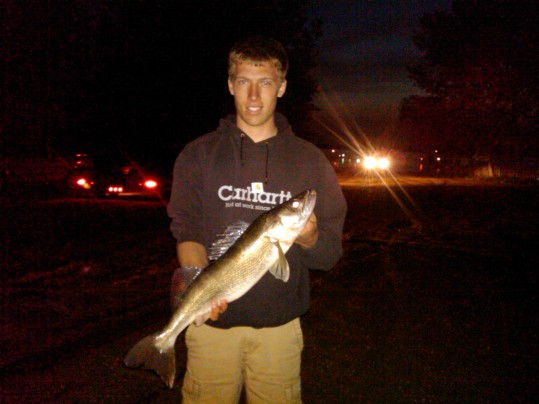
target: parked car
131 181
113 181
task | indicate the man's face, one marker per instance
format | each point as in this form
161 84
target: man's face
256 87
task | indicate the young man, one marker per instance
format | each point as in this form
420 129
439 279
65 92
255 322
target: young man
249 164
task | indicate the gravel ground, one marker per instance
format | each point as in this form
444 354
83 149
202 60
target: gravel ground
433 300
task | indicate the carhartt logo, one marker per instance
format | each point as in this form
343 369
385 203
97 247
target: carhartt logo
228 193
257 187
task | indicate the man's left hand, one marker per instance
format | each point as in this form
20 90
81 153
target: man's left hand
309 236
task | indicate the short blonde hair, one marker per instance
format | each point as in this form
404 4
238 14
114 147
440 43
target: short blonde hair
258 49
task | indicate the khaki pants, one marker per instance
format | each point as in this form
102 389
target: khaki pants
220 362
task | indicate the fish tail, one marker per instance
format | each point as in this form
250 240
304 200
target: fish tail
147 354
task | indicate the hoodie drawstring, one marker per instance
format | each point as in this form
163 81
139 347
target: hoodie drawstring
266 169
241 148
267 163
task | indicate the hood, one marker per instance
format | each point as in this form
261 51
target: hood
228 125
242 143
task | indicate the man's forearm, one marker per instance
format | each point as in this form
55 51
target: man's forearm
192 254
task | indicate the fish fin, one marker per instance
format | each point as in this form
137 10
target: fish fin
226 239
201 319
147 354
280 270
181 279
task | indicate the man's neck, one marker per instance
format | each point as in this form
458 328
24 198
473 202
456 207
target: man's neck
259 134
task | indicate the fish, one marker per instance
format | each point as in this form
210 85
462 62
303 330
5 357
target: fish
261 248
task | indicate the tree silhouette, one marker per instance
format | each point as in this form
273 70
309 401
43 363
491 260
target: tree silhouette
146 76
479 73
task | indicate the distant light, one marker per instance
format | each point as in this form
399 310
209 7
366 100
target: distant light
150 184
372 162
383 163
369 163
438 159
115 189
82 182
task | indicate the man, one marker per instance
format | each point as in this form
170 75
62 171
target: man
256 341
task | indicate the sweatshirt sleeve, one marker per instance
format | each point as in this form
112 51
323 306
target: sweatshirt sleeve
186 197
330 211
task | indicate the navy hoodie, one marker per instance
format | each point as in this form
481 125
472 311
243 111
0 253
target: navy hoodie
212 189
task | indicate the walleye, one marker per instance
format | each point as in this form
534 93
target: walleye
259 249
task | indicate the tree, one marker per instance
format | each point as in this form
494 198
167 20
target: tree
479 73
146 76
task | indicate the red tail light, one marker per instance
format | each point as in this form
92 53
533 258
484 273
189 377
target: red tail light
150 184
83 182
115 189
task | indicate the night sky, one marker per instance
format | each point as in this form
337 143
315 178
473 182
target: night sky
364 52
136 72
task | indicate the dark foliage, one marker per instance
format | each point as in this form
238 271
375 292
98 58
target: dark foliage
479 72
145 76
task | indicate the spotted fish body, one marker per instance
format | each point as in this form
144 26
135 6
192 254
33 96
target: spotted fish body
261 248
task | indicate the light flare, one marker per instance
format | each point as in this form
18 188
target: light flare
348 133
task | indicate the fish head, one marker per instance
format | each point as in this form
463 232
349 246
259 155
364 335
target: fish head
289 219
